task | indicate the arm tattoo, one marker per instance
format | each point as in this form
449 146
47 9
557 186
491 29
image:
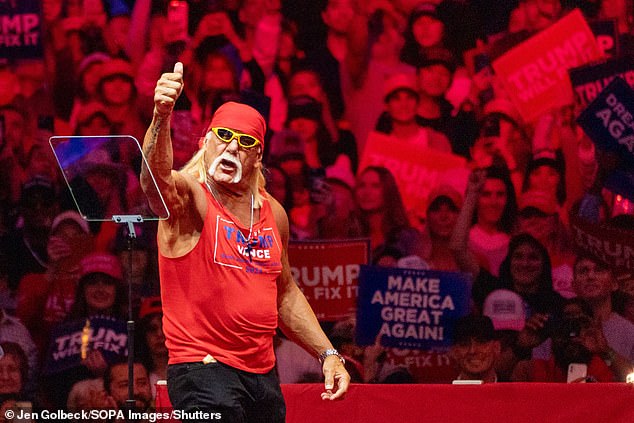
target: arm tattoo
154 133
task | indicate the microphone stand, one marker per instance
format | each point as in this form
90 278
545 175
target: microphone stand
130 220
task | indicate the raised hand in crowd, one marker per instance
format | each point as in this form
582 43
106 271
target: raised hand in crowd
217 23
95 362
533 333
460 237
475 183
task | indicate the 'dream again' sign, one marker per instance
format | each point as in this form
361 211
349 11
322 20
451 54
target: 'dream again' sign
609 119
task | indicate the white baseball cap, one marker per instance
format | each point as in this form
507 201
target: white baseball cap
506 310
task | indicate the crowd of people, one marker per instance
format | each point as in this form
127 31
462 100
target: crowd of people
330 76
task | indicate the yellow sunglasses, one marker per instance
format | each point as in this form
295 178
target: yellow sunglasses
227 135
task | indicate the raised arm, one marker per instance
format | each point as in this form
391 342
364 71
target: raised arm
459 243
139 31
298 322
157 146
358 55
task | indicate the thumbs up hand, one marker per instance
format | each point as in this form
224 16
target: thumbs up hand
168 89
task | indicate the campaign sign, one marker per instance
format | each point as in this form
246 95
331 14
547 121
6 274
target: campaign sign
535 73
614 247
607 35
20 29
416 170
589 80
608 120
105 334
408 308
327 272
425 366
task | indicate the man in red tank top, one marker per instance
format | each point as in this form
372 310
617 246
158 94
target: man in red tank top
225 278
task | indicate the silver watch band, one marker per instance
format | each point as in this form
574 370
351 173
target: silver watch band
330 352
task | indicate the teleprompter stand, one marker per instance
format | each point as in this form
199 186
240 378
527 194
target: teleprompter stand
105 187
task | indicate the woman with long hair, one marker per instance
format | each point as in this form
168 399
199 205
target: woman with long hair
382 213
526 270
487 219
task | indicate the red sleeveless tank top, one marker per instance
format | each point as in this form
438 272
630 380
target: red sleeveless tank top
221 298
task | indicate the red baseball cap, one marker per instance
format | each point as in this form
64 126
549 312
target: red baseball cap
101 263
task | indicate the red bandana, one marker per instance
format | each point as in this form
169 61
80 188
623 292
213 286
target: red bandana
239 117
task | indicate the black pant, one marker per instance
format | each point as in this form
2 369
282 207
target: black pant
234 395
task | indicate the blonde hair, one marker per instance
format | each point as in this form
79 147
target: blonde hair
196 167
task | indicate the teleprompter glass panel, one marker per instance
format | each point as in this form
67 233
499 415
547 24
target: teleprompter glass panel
102 174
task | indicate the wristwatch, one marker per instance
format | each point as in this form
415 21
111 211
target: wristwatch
330 352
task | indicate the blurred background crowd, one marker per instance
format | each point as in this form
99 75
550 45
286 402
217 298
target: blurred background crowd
331 76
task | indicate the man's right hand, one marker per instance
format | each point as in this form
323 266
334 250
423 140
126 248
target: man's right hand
168 89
